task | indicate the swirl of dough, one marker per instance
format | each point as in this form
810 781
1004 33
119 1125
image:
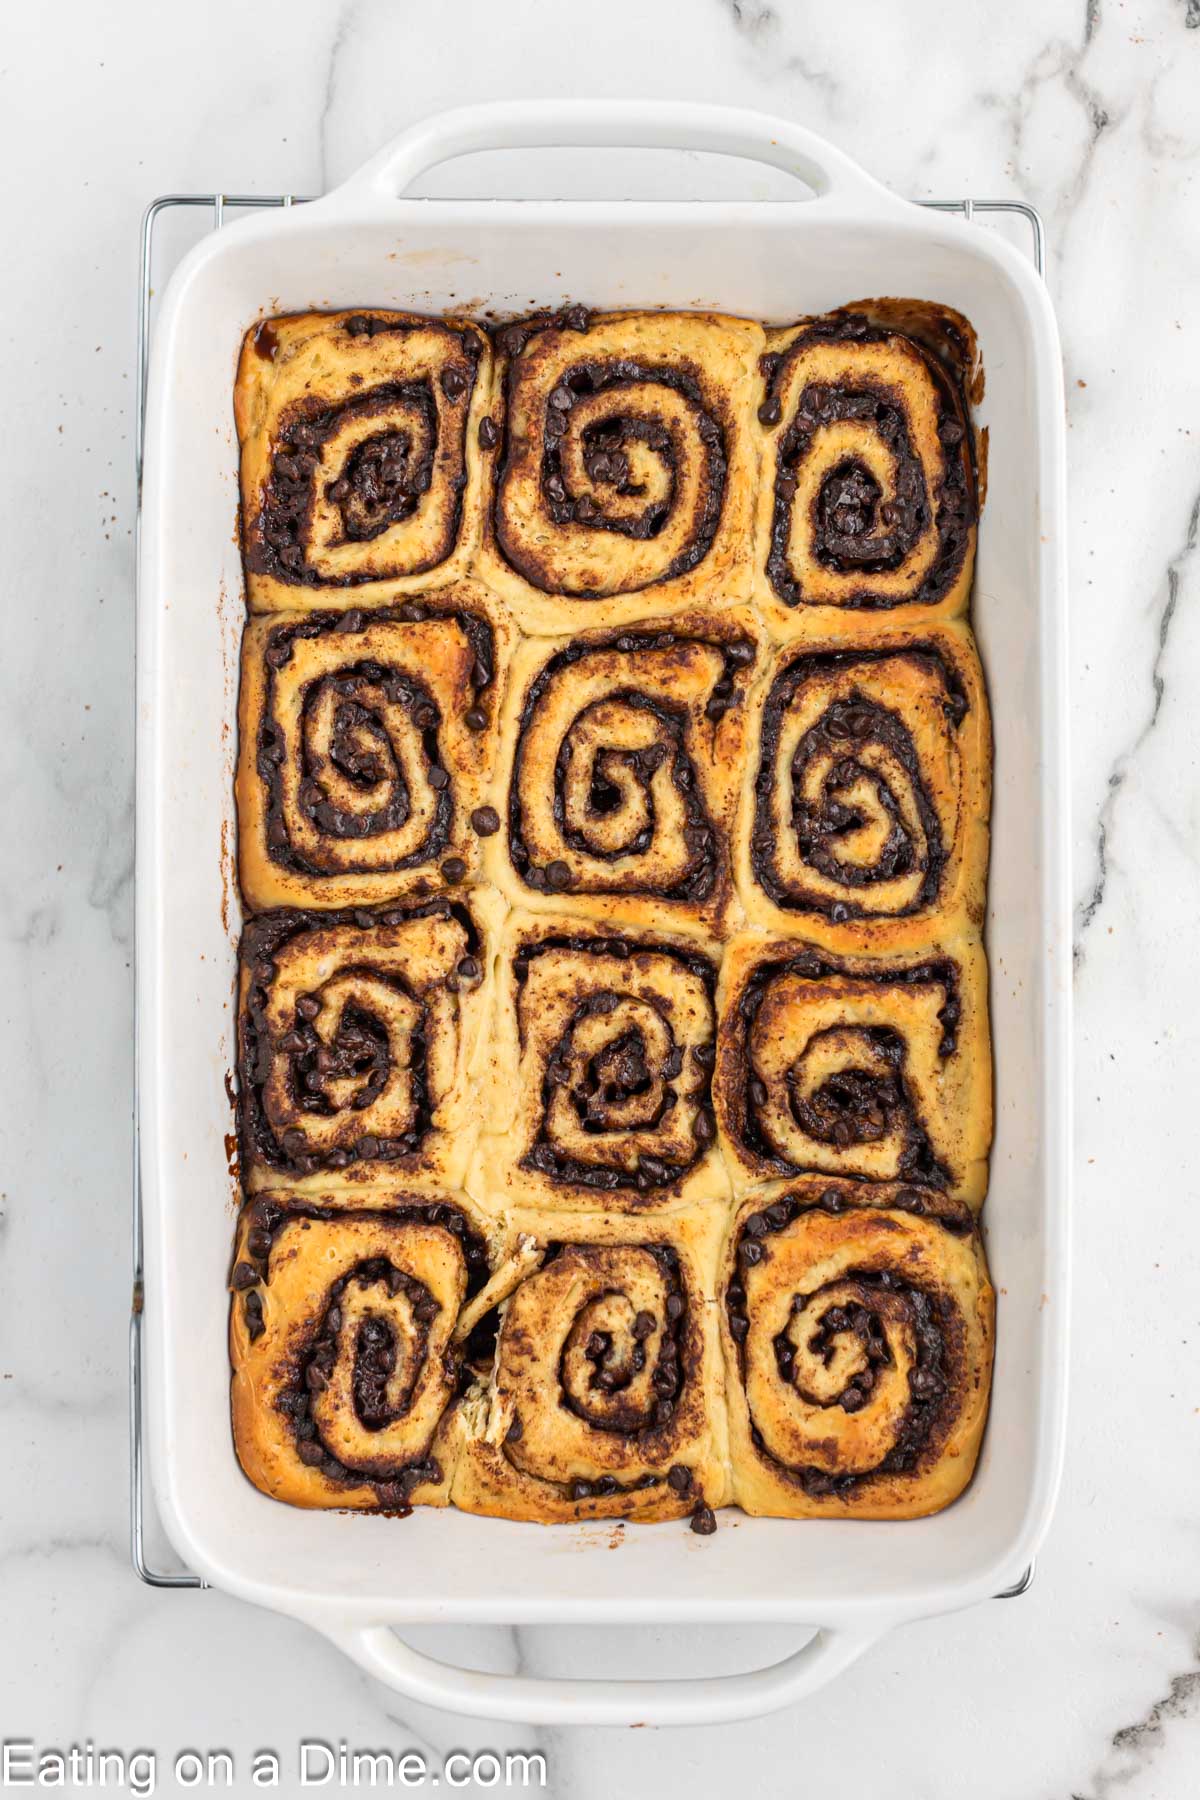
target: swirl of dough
354 431
861 1340
347 1340
870 498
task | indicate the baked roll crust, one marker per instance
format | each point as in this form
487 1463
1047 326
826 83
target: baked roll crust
623 483
359 1045
366 743
351 1341
857 1327
602 1048
874 1068
867 495
866 790
619 779
359 455
605 1401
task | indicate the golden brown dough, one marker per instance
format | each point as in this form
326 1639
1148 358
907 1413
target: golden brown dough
349 1342
605 1401
360 455
624 482
619 775
360 1045
599 1070
869 1067
866 498
857 1328
866 790
366 744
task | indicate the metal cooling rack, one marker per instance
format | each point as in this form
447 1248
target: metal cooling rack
220 206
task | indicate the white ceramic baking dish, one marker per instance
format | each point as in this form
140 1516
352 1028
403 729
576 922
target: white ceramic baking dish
844 238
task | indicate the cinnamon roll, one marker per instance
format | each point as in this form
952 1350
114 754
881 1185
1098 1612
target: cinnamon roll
366 743
867 497
605 1401
874 1068
602 1049
857 1327
865 797
622 483
359 1045
619 780
352 1337
359 440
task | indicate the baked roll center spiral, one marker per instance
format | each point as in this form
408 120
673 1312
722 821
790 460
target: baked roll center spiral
862 1345
625 462
354 431
622 780
366 748
871 496
356 1033
874 1070
347 1349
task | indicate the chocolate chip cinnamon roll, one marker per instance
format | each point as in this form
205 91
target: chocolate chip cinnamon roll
617 789
366 744
867 498
621 481
602 1049
351 1336
605 1399
359 1045
857 1326
873 1068
865 796
359 470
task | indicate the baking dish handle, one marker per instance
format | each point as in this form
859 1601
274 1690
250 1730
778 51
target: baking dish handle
616 124
525 1700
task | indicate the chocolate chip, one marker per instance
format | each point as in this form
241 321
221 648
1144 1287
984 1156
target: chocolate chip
674 1307
558 875
575 318
476 719
643 1324
454 870
367 1147
679 1478
489 434
771 410
454 383
315 1378
244 1275
485 821
311 1453
308 1006
758 1091
581 1490
704 1521
470 968
438 778
704 1129
515 1430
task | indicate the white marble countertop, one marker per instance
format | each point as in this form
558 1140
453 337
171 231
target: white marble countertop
1089 1685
